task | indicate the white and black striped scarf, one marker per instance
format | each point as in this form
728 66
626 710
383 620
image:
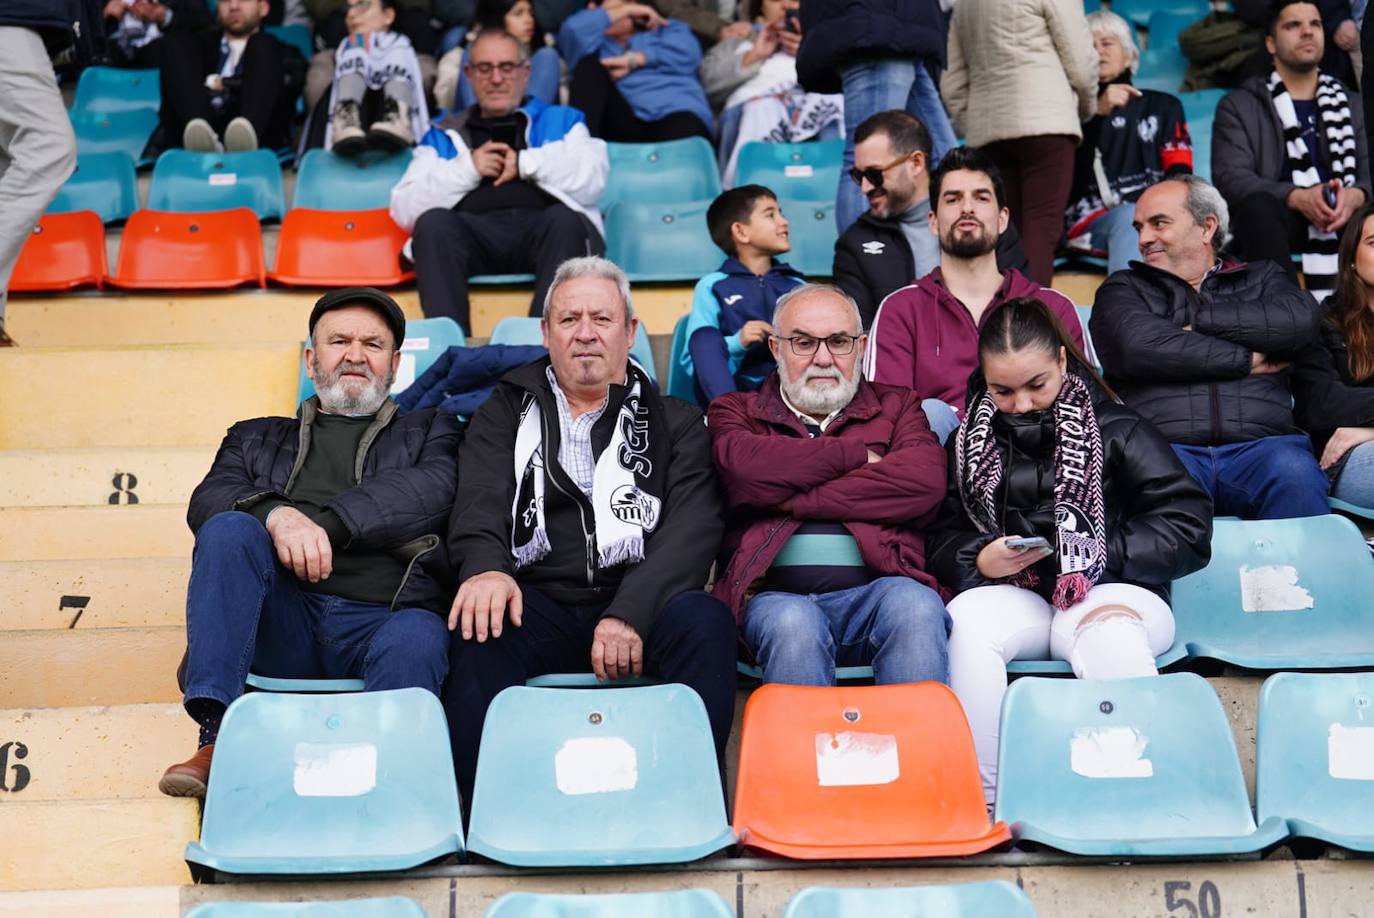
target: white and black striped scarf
1333 115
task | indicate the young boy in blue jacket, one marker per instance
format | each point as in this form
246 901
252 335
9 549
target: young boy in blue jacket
727 331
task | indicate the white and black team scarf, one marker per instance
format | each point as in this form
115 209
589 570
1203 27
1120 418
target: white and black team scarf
1079 511
627 485
1333 116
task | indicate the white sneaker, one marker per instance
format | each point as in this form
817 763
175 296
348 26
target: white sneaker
392 130
239 136
199 137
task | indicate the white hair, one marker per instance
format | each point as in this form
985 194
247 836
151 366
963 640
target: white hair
804 290
592 266
1121 30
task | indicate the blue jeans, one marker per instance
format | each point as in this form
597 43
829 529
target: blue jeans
894 623
941 416
545 66
1272 478
1113 232
876 85
244 610
1355 484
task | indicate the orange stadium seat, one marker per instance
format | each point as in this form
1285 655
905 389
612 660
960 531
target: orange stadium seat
335 248
860 772
170 251
62 252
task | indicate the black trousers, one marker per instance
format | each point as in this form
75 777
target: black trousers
593 92
411 22
450 246
693 642
1265 227
263 96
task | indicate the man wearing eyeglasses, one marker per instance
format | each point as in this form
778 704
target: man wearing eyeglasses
829 480
891 243
505 187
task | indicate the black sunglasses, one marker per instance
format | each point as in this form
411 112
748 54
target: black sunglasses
873 173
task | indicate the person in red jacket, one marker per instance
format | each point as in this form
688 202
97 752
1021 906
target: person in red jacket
829 480
925 336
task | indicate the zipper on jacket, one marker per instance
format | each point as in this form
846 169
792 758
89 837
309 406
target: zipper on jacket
587 536
758 551
410 567
1214 399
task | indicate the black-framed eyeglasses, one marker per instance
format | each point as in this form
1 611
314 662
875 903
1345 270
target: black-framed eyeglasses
873 173
506 68
838 344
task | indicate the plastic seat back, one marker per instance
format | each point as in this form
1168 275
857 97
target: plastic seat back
673 170
331 248
390 907
860 772
793 171
167 251
1165 24
811 226
325 181
118 132
330 784
682 903
1141 12
525 330
1314 764
1162 68
1281 594
103 182
62 252
115 89
963 900
1114 768
661 242
184 181
578 778
681 380
426 341
295 35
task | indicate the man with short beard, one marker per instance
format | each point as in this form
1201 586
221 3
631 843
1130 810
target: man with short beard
925 336
821 457
320 539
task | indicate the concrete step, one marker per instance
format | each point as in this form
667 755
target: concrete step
85 594
132 902
76 533
96 666
101 476
183 395
96 843
113 752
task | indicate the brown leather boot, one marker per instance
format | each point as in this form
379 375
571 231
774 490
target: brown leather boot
188 778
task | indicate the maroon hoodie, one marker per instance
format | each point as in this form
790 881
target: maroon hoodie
925 339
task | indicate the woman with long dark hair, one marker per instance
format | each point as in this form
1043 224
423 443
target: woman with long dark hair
1067 517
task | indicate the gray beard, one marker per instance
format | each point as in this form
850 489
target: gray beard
336 399
814 401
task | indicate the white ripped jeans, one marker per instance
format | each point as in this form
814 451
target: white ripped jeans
994 625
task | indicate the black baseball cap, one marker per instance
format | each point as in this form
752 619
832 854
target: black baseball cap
370 297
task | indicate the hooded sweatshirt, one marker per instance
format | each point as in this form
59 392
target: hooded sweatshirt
924 338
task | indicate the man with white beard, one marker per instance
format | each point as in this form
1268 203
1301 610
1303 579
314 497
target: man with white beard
320 539
829 480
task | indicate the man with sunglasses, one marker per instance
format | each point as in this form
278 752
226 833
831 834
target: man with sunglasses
891 244
829 480
505 187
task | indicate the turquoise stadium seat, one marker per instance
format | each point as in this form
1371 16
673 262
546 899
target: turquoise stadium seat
122 132
1161 68
327 784
1200 109
1281 594
297 36
661 242
962 900
793 171
812 231
114 89
1141 12
682 903
103 182
186 182
1365 513
325 181
390 907
1201 104
303 686
1165 24
1314 761
681 379
426 341
1114 768
618 776
525 330
674 170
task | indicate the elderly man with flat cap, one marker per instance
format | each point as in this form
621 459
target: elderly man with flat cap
320 539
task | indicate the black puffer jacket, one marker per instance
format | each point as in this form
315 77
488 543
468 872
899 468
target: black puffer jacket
407 472
1196 386
836 32
1159 520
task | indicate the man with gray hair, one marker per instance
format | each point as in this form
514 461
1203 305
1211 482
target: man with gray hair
585 523
829 480
1202 347
320 549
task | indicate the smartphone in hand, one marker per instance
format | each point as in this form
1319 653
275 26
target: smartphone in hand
1027 543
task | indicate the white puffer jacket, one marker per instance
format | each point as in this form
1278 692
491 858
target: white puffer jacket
1019 68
